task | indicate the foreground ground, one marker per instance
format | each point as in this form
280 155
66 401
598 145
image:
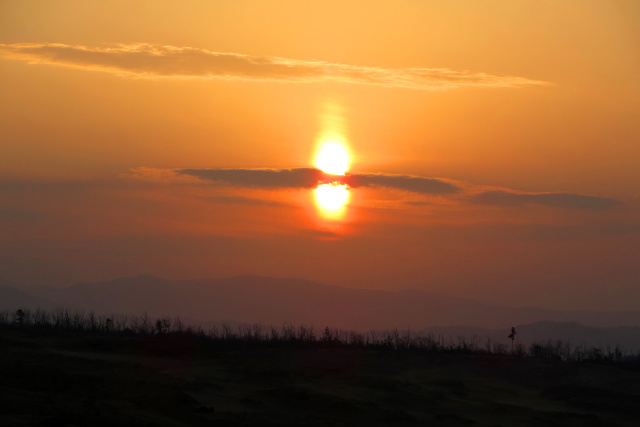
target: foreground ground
80 380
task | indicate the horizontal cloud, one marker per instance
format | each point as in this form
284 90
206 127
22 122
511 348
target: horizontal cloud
235 200
153 61
310 178
261 178
416 184
558 200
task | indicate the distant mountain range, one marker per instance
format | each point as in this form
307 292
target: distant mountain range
256 299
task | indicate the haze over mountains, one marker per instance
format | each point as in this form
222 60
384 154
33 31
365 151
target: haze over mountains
255 299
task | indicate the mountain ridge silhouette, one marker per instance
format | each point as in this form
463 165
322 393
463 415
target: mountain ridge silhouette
270 300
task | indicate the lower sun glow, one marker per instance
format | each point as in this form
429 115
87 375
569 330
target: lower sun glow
332 199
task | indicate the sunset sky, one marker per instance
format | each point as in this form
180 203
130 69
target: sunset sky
492 147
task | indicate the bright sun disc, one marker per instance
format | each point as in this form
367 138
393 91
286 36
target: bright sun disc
332 159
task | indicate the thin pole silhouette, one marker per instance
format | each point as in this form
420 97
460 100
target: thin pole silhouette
512 335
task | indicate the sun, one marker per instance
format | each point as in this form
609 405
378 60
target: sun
332 198
332 158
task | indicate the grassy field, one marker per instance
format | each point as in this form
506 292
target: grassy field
77 379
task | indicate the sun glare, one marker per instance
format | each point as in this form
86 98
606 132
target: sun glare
332 199
332 158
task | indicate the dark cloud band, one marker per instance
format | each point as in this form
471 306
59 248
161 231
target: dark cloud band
261 178
416 184
311 178
557 200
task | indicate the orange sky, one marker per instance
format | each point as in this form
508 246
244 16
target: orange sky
493 146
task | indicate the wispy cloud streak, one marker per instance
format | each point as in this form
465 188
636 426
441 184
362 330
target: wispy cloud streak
154 61
416 184
557 200
261 178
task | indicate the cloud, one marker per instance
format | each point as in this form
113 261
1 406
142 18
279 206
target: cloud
10 214
311 178
249 201
261 178
155 61
415 184
557 200
418 203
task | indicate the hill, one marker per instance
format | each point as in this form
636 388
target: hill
56 377
255 299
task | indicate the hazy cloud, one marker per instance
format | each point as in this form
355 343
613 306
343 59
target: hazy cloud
261 178
418 203
154 61
557 200
249 201
310 178
416 184
10 214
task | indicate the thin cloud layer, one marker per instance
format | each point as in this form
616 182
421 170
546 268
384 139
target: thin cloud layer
415 184
308 178
249 201
557 200
311 178
154 61
261 178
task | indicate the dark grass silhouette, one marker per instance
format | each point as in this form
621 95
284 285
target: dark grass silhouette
73 368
